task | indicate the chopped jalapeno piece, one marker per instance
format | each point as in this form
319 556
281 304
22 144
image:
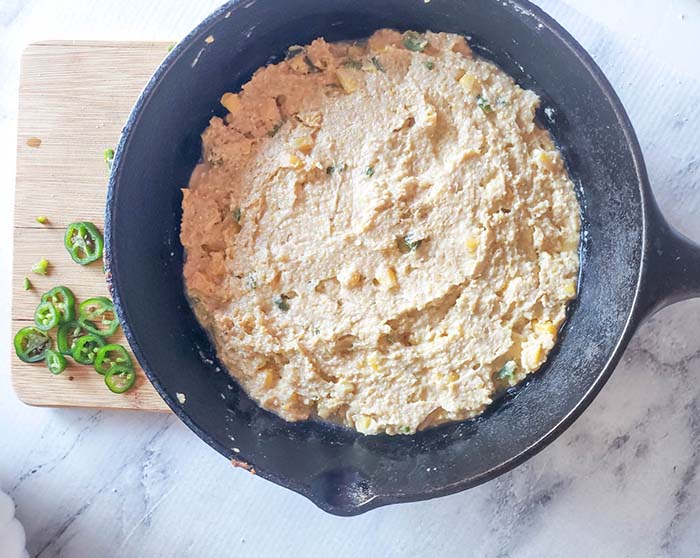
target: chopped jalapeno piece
42 219
281 302
55 362
404 429
292 51
312 67
377 64
86 348
111 356
408 243
67 335
41 267
27 284
83 242
506 373
352 63
97 316
484 105
120 379
414 42
64 301
336 168
429 64
109 158
251 281
275 129
46 316
237 214
31 344
369 171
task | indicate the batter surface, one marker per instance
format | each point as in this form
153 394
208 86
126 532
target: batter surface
379 235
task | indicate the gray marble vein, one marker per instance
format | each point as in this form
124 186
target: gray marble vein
623 481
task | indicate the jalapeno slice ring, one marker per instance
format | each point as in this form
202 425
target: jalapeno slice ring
120 379
98 316
64 301
46 316
31 344
111 356
55 362
83 242
67 335
86 347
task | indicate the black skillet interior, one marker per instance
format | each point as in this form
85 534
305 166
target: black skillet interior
341 471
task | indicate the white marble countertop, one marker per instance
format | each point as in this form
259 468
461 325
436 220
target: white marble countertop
623 481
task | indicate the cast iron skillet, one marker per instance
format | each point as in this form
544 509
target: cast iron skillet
633 262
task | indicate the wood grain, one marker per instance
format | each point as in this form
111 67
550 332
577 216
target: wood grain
74 97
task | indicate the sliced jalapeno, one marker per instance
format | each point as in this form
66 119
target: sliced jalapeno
98 316
64 301
86 347
67 335
31 344
120 379
83 242
111 356
46 316
55 362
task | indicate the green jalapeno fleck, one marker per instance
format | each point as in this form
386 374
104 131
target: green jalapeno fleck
377 64
41 267
484 104
409 243
414 41
281 302
109 158
507 371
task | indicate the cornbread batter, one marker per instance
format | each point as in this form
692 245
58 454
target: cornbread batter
379 235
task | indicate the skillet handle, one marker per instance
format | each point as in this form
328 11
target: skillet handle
673 267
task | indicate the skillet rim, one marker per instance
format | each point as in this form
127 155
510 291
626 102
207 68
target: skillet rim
647 204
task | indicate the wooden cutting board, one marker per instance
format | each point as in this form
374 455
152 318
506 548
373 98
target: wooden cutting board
74 97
